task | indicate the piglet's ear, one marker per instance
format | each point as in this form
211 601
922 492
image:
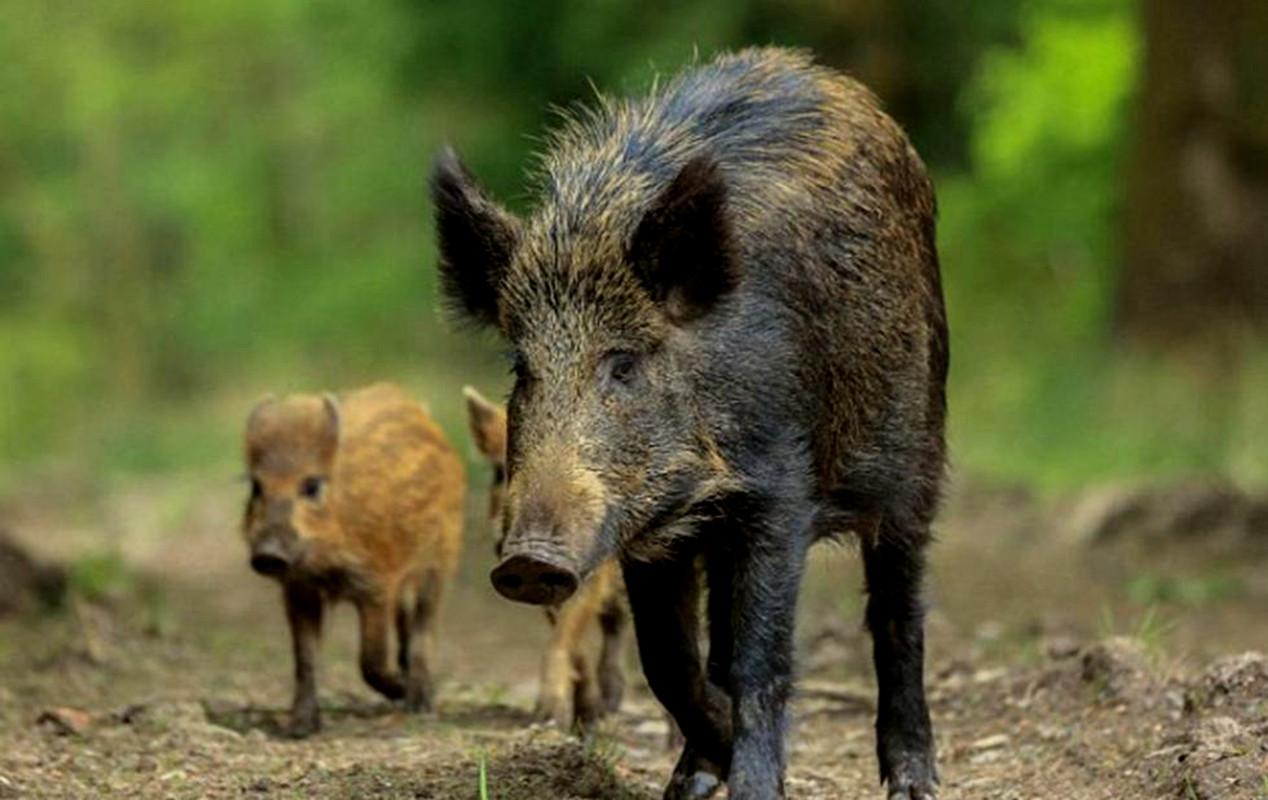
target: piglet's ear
683 250
329 442
487 421
255 428
476 236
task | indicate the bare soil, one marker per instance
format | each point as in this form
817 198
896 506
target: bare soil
1059 666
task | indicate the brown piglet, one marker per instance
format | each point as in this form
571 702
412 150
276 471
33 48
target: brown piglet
575 689
358 499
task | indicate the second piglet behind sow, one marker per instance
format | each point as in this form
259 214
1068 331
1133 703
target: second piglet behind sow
359 499
575 689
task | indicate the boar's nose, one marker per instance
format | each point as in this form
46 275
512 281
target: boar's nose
534 576
268 557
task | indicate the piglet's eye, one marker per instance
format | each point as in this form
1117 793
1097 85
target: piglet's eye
310 488
256 489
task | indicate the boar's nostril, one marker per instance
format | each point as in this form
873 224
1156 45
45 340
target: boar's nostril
508 583
534 579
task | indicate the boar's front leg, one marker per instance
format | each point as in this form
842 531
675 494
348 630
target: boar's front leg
304 612
663 598
375 617
893 562
769 555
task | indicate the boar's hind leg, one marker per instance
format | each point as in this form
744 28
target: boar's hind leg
663 597
894 561
416 635
374 614
768 562
304 612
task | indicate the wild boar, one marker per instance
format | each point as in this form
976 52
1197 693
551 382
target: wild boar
574 689
729 341
359 499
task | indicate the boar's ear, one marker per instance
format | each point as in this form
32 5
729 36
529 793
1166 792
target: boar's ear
488 425
330 431
683 250
476 236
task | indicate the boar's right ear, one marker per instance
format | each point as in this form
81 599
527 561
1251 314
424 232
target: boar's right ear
683 250
476 237
488 425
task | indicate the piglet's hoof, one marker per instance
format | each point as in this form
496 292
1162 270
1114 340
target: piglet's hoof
302 726
696 786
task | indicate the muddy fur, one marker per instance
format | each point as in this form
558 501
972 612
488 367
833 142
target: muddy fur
730 341
358 499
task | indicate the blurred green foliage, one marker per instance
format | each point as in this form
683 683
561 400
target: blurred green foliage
202 202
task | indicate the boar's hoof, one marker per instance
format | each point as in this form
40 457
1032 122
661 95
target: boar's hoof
913 780
530 578
696 786
694 778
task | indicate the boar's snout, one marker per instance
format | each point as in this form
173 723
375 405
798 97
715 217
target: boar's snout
535 574
270 555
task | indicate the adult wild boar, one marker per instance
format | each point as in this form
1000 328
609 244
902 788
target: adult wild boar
729 342
359 500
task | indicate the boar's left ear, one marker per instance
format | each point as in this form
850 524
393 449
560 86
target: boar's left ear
682 250
477 238
330 438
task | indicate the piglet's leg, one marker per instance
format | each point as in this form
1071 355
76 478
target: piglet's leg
416 633
613 622
375 617
304 613
567 675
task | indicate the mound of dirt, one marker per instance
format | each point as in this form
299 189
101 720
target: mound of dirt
1216 512
27 584
1221 749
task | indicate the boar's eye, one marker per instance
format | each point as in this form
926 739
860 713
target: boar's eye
310 488
256 489
520 369
620 368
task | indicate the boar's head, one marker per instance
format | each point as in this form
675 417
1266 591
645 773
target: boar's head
291 446
600 295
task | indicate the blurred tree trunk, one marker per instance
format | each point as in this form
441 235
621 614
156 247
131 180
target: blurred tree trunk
1196 257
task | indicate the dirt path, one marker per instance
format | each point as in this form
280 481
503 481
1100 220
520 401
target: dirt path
1032 696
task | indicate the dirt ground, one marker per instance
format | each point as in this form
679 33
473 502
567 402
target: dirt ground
1063 662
